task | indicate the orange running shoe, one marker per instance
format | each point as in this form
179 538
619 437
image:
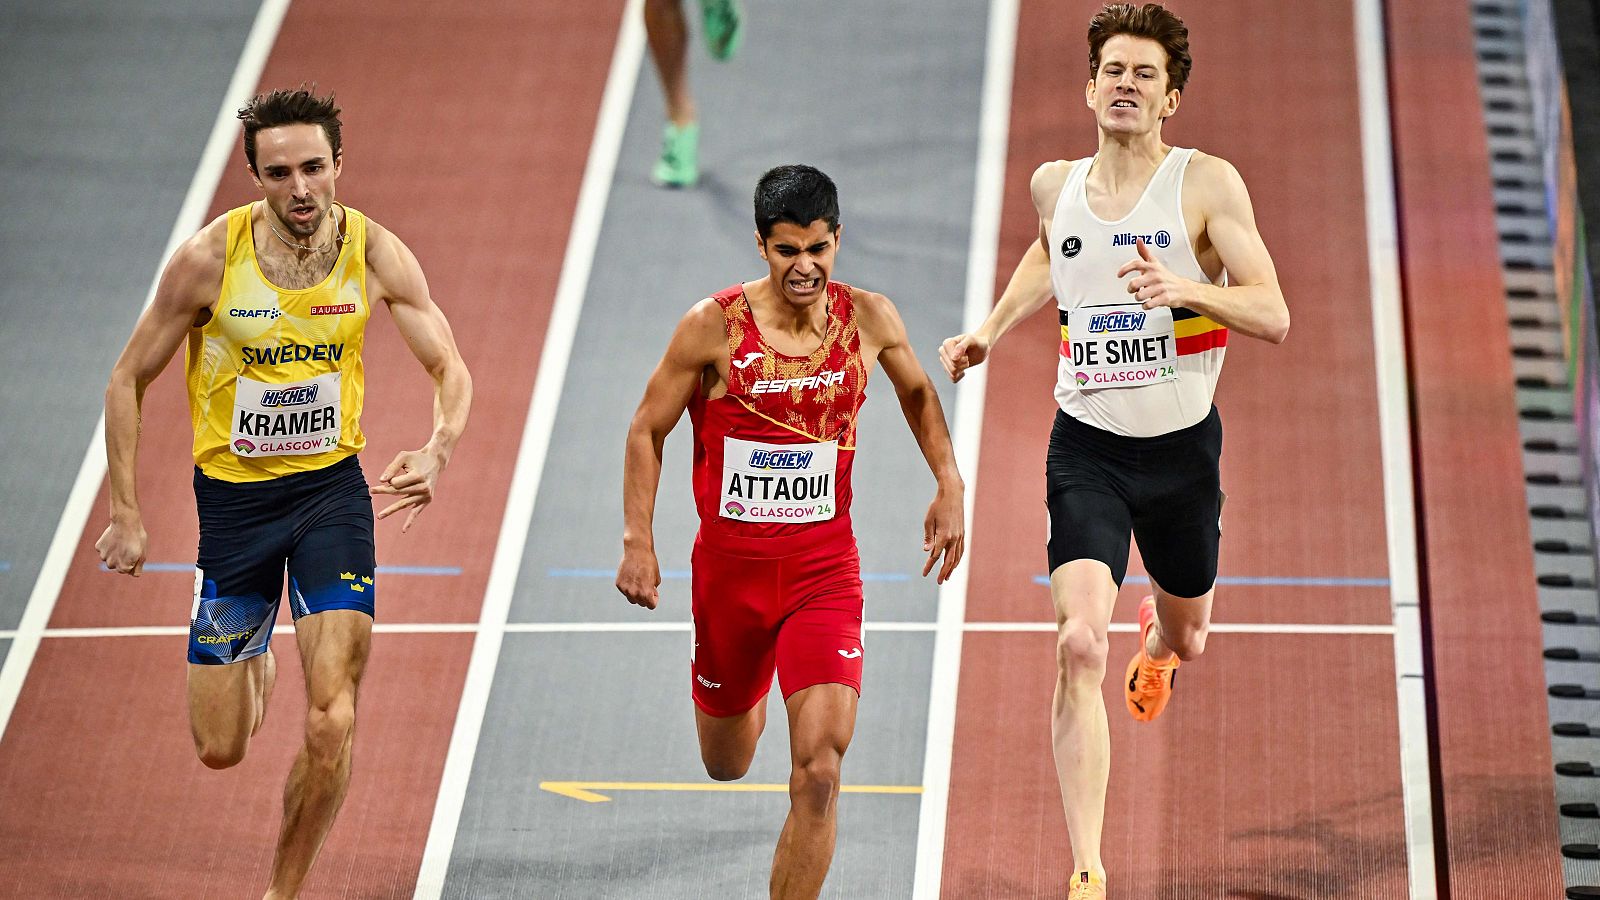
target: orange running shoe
1087 886
1149 686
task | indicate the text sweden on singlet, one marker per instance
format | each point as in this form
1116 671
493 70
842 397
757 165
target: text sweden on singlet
778 482
294 419
1121 345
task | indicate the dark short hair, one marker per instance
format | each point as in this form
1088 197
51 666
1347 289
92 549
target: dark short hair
797 194
289 107
1152 21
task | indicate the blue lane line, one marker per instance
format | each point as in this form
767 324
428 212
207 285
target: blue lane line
680 574
382 570
1269 581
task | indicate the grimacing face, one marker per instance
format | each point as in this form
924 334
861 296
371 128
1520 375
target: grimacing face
799 259
296 171
1129 93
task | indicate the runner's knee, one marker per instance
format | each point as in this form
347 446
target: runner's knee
1080 652
217 752
329 726
814 784
726 769
1188 641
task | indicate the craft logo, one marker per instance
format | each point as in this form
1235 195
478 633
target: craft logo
734 509
299 395
780 459
243 446
1103 323
268 313
335 310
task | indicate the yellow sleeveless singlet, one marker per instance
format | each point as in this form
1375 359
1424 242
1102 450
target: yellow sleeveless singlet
275 382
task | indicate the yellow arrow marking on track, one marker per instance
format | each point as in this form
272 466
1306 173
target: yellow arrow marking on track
585 790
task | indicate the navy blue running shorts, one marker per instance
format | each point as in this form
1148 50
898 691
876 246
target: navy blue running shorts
317 526
1165 491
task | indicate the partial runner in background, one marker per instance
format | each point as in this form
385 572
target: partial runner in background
668 32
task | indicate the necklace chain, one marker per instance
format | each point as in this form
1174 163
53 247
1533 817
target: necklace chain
336 240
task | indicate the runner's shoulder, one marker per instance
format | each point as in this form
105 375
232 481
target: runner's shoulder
197 265
1047 182
702 332
876 315
1213 176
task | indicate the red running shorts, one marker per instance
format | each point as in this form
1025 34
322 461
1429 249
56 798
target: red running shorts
790 604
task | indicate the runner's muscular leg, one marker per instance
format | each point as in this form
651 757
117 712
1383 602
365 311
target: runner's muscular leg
822 720
333 652
1084 593
227 705
1181 627
728 743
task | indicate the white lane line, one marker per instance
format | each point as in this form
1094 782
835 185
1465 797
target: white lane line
994 122
80 501
1383 262
660 626
553 358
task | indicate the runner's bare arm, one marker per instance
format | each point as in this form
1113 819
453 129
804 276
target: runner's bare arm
944 527
1028 288
698 342
188 287
397 280
1252 303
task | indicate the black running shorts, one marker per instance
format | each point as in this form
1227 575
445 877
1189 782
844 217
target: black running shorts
315 525
1165 491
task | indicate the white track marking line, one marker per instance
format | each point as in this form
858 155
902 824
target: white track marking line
1383 260
80 501
659 626
581 245
994 122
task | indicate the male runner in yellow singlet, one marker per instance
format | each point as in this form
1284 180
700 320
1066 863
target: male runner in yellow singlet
1153 256
273 299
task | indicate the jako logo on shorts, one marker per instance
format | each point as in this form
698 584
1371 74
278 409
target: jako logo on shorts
295 396
1101 323
780 459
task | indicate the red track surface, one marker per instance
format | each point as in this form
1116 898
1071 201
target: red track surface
1493 754
1276 772
467 130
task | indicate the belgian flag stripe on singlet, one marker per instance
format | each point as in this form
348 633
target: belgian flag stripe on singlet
1195 333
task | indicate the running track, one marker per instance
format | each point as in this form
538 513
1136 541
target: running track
1279 772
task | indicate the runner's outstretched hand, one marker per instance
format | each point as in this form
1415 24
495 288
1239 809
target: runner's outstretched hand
944 532
962 352
1153 284
639 577
411 477
122 547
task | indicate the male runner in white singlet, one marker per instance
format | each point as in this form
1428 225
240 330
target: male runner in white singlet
1153 256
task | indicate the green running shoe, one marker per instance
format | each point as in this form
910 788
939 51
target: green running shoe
679 164
724 27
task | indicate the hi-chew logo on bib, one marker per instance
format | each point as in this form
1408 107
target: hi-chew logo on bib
778 482
1120 345
296 419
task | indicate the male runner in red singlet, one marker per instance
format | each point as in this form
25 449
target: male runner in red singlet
273 299
1136 441
773 373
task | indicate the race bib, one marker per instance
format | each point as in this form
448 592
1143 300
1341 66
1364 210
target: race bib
1120 345
778 482
296 419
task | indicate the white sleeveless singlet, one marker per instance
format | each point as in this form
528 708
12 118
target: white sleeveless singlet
1122 368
